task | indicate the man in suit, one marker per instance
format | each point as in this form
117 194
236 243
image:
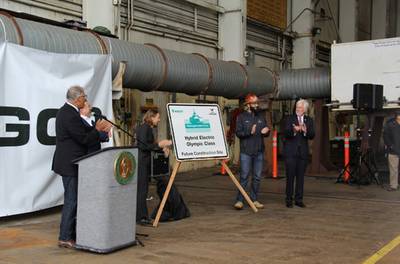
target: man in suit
299 128
72 141
86 115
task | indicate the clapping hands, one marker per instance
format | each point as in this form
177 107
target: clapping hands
103 125
300 128
253 129
265 130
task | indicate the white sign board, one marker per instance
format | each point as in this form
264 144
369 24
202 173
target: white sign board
197 131
33 86
375 61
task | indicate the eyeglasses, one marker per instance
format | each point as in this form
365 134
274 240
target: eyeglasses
84 96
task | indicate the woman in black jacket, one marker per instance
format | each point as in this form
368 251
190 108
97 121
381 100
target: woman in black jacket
146 143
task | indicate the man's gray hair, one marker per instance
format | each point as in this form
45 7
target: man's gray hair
74 92
304 103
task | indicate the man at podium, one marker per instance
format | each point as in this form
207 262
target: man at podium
72 141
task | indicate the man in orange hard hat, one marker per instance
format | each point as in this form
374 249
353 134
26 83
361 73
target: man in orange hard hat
251 128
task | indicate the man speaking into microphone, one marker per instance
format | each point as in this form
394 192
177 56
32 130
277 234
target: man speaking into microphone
73 140
299 128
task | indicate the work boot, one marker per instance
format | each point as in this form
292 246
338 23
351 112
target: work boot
258 205
238 205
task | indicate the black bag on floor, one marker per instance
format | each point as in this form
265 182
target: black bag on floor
175 208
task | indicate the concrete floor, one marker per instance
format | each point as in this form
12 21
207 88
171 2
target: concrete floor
341 224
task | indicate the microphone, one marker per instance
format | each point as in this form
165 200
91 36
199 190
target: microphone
100 116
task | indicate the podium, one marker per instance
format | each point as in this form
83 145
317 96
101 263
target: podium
107 189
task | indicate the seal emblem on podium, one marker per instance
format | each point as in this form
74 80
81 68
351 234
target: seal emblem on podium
124 167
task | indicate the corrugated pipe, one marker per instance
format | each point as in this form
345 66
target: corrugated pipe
304 83
150 68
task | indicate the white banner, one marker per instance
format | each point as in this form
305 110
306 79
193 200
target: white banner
33 85
197 131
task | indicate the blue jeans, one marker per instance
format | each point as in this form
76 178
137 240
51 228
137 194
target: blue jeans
68 217
250 163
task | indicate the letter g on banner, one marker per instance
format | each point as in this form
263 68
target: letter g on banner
23 129
42 123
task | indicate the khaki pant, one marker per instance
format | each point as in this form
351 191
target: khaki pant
394 170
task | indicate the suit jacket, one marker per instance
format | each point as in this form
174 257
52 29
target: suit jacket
72 140
296 144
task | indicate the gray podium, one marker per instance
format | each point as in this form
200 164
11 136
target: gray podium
107 187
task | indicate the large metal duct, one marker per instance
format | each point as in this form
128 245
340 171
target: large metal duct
304 83
150 68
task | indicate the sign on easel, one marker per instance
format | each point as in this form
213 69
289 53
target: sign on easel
198 134
197 131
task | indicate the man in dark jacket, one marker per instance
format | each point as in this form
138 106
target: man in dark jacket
299 128
391 137
72 141
251 128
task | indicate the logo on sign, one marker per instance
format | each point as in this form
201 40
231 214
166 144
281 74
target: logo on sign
197 124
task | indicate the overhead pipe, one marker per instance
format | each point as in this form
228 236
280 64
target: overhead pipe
150 68
304 83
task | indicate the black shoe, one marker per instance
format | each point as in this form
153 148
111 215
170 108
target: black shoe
289 204
66 243
300 204
145 222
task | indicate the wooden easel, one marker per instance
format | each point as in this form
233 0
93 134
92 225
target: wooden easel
171 181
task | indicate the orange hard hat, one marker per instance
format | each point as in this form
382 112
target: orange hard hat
250 98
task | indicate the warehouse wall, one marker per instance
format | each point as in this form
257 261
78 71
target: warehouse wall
172 24
265 44
59 10
175 25
266 20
